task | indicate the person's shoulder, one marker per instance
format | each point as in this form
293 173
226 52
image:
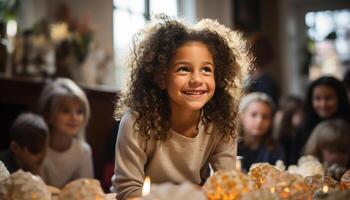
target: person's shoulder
81 145
129 115
128 119
215 134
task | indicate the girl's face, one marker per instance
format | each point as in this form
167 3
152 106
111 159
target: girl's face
257 118
69 118
324 101
190 79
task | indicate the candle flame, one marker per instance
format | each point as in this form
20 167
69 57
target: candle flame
325 189
146 186
286 190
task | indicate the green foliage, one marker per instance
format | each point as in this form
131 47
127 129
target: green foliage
8 9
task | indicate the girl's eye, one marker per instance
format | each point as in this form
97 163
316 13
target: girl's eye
65 110
80 112
183 69
207 70
254 114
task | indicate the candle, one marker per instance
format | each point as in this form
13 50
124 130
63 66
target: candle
11 30
146 186
239 163
145 189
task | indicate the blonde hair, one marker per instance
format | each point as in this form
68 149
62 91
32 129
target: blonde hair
56 93
330 134
255 97
267 139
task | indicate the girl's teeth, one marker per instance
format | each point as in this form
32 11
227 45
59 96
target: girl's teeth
193 93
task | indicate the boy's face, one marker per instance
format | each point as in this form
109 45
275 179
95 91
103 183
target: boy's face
330 157
69 118
257 118
190 79
26 160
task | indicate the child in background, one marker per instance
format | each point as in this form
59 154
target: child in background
287 122
66 110
258 144
329 142
260 79
28 143
326 99
181 105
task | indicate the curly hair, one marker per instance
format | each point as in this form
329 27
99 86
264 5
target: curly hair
149 61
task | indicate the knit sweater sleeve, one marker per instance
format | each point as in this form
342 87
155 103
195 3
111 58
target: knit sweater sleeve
224 155
130 159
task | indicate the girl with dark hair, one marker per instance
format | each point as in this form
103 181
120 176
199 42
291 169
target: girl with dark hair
325 99
182 105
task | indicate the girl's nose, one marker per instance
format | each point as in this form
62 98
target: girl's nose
259 120
323 103
196 79
74 115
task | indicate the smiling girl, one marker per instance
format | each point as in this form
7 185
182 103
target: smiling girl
66 110
179 115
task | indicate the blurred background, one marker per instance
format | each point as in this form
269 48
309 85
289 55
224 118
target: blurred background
88 40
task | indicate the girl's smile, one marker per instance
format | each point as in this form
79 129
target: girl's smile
194 94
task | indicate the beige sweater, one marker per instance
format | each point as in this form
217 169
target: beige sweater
176 159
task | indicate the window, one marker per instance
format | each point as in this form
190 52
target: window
329 42
129 17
